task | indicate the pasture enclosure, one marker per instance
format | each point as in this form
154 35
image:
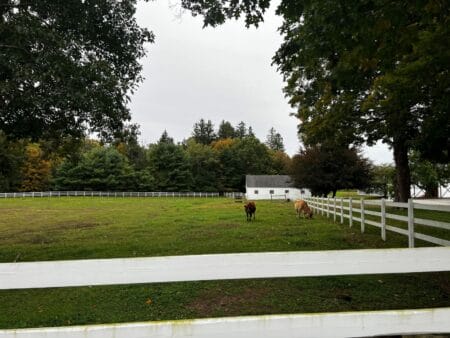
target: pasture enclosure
36 194
363 210
160 241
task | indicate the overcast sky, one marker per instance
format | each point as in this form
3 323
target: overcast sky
221 73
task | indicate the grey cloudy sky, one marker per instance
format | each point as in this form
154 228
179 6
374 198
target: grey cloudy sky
221 73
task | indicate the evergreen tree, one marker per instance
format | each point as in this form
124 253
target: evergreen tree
241 130
99 169
169 165
204 132
204 166
274 140
226 130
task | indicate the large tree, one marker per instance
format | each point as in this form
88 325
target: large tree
361 71
67 67
325 169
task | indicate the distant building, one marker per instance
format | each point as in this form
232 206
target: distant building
267 187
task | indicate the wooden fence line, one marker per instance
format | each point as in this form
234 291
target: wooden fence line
320 204
39 194
237 266
24 275
324 325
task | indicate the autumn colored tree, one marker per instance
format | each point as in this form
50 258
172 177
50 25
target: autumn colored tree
36 170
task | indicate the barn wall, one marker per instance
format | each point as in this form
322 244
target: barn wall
278 193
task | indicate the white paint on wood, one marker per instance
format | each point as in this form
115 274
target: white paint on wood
362 215
383 219
342 211
350 212
432 239
434 207
435 224
334 209
410 223
224 266
323 325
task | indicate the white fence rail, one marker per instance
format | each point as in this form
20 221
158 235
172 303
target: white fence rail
38 194
346 208
238 266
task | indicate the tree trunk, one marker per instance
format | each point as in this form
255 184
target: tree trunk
403 175
432 191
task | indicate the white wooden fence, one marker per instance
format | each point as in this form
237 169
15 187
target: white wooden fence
112 194
347 208
238 266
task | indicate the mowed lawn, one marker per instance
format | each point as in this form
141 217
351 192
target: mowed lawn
85 228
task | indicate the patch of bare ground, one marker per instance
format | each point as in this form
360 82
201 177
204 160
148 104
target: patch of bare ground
215 301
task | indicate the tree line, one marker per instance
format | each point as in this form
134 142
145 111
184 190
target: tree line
208 160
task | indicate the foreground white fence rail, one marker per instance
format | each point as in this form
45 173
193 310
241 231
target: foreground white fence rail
37 194
238 266
347 208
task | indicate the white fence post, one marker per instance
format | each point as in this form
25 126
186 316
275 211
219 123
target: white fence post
410 223
328 207
334 209
350 212
342 210
362 215
383 219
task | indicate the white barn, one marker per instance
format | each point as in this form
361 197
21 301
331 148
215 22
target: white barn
267 187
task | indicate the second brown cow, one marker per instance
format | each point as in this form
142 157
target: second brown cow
301 207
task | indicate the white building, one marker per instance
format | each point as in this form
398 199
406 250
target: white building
267 187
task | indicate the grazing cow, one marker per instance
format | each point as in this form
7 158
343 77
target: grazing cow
301 207
250 209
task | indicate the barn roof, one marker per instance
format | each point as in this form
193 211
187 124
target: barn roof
269 181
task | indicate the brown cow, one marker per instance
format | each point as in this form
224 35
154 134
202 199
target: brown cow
250 209
301 207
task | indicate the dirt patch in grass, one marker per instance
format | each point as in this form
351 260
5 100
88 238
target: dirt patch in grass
211 302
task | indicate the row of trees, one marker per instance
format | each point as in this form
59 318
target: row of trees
206 161
220 165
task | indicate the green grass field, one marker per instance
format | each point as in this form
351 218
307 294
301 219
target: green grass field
83 228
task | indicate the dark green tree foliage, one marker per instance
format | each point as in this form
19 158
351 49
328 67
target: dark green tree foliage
100 169
372 71
325 169
12 156
274 140
382 180
215 12
428 175
204 163
169 164
128 144
241 130
204 132
67 66
244 156
226 130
